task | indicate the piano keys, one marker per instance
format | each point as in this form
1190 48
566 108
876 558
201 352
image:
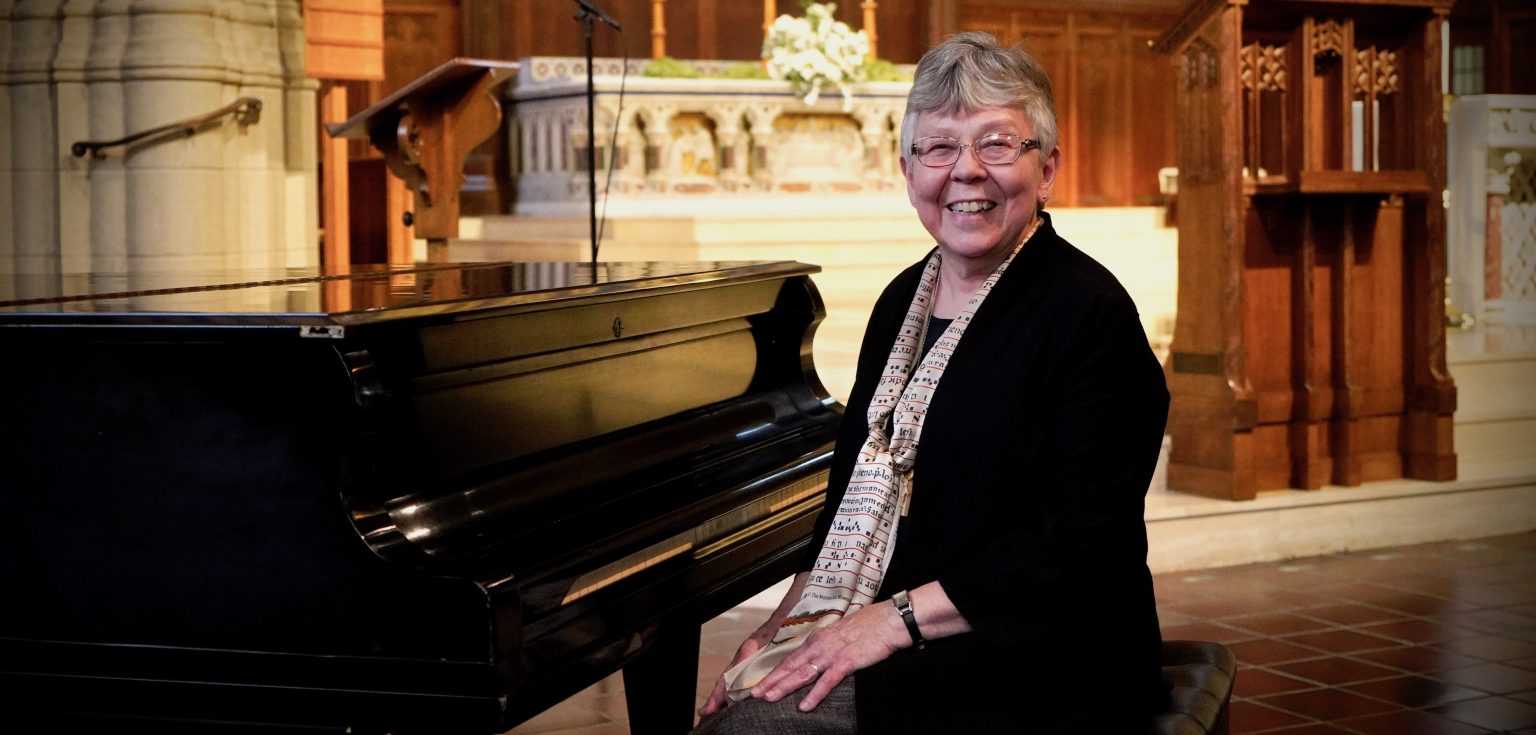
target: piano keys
438 499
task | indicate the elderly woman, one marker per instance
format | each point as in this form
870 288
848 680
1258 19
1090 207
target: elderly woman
995 579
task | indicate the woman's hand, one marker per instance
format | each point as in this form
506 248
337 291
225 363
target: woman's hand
856 641
758 639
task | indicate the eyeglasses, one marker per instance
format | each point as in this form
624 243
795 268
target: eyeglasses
996 149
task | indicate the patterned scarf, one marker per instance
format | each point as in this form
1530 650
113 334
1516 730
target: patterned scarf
857 548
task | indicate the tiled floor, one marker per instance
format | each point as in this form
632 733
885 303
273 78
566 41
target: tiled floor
1435 639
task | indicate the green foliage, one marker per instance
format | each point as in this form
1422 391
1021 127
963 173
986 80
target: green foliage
881 70
668 67
744 70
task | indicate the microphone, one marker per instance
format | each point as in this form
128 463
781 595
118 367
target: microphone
598 13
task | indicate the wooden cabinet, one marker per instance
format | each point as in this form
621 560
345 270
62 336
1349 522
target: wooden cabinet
1310 343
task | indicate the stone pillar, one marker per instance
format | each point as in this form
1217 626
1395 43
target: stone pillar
256 171
761 117
875 131
658 140
631 154
98 70
73 114
7 167
104 98
34 144
174 68
732 144
299 239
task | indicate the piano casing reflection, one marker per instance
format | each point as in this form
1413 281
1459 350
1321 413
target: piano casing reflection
436 500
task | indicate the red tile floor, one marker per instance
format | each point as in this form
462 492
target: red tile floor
1436 638
1433 639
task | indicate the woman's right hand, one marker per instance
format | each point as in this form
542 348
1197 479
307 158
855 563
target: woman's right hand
759 638
753 643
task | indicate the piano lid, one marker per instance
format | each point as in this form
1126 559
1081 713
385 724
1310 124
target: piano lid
369 293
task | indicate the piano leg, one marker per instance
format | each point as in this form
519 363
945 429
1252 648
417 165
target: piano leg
659 685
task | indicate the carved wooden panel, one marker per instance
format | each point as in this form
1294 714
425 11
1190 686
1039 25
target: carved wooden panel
1330 370
344 39
1113 94
418 36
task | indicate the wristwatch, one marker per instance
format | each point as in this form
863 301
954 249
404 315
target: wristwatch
904 608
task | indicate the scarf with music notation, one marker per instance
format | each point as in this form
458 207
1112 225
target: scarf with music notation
853 557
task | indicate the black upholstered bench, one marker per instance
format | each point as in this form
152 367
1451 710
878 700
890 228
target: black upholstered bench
1201 674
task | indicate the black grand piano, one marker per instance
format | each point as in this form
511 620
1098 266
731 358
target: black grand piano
428 500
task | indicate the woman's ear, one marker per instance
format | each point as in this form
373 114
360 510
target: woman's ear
907 175
1048 168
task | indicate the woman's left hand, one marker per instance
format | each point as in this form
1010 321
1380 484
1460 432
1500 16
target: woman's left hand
830 653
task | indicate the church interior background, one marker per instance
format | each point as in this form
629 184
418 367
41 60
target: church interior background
719 167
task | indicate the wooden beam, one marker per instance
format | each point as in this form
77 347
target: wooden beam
336 255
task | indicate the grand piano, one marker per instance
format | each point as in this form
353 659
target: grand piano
435 499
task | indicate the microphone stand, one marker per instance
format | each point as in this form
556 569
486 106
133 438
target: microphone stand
586 29
588 13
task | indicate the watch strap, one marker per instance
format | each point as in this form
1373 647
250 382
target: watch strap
904 607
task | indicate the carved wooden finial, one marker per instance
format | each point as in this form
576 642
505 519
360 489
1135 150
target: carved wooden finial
1328 39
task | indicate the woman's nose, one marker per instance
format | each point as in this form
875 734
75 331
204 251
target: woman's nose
968 167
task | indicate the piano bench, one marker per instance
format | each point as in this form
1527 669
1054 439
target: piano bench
1201 674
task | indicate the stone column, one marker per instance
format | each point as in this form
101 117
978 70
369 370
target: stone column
875 131
104 98
258 166
299 240
658 140
7 167
174 68
34 144
761 118
73 114
732 144
98 70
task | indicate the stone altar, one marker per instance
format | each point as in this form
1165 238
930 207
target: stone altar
680 142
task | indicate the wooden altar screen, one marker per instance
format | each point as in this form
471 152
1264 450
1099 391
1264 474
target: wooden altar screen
1310 346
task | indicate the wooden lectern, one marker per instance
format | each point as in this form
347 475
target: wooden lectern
426 129
1310 344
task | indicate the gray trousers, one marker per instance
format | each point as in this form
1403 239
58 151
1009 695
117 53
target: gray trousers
834 716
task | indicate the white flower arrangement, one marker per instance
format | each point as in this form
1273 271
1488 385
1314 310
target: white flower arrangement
815 51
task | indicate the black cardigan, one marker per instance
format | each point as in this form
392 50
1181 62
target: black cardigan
1027 506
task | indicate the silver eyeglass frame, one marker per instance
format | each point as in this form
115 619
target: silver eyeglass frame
1025 144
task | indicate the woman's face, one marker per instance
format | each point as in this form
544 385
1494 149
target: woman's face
977 211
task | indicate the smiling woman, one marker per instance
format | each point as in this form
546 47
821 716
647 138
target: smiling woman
1025 543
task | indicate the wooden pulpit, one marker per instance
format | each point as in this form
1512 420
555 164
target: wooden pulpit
425 130
1310 343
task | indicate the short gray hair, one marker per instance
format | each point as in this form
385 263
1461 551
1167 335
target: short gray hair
970 71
